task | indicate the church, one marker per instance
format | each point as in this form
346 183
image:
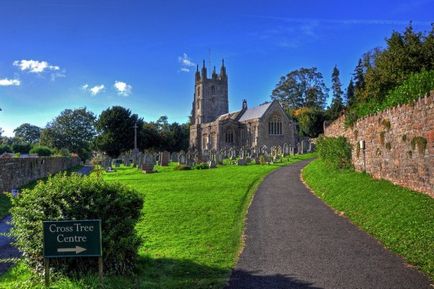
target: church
214 127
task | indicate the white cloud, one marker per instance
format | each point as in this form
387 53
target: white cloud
123 88
96 89
35 66
93 90
9 82
185 62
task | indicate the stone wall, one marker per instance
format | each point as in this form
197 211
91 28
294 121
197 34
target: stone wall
399 144
16 172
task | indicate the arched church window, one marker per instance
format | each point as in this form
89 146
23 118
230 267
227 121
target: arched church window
229 136
275 125
213 90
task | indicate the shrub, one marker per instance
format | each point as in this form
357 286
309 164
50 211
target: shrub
4 148
21 148
201 166
74 197
63 152
182 168
336 152
41 151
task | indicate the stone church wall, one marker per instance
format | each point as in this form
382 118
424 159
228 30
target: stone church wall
399 144
16 172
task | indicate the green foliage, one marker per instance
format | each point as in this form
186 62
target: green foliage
74 197
28 133
73 129
115 126
406 53
63 152
402 220
310 121
41 151
420 142
411 89
201 166
5 204
301 88
4 148
336 152
21 148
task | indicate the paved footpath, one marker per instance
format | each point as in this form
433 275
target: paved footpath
293 240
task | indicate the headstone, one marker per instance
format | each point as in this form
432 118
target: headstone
211 164
285 149
164 158
148 163
182 160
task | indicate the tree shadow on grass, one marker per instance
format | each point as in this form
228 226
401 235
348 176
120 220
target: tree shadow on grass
241 279
172 273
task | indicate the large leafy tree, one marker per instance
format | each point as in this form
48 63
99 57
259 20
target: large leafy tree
28 133
337 104
115 128
73 129
303 87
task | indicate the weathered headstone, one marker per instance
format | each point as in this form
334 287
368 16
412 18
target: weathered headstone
164 158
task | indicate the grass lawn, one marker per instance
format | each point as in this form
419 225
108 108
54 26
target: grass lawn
191 227
401 219
5 205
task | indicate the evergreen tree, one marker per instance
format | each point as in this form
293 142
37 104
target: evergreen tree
350 94
337 104
359 77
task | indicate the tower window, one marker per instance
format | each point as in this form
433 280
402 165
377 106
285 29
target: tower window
275 125
229 136
213 90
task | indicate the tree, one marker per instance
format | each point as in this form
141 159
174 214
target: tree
337 104
406 53
359 76
310 121
73 130
28 133
350 94
115 126
301 88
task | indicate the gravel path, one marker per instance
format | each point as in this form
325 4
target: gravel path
293 240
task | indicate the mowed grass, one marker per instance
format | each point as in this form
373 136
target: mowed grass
191 227
401 219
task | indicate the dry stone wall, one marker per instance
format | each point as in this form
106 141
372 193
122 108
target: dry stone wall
16 172
399 144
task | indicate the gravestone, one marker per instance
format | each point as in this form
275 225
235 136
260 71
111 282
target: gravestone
164 158
148 163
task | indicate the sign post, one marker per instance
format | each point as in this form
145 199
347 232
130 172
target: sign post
75 238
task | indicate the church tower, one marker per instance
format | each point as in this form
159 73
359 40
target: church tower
210 95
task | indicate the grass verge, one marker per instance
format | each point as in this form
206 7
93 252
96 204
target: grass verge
403 220
191 227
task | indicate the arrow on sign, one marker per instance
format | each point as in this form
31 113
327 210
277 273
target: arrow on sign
77 250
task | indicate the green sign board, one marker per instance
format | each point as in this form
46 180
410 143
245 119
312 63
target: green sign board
80 238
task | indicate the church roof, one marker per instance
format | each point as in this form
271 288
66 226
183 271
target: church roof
255 112
230 115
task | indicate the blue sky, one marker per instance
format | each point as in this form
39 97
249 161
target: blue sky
57 54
